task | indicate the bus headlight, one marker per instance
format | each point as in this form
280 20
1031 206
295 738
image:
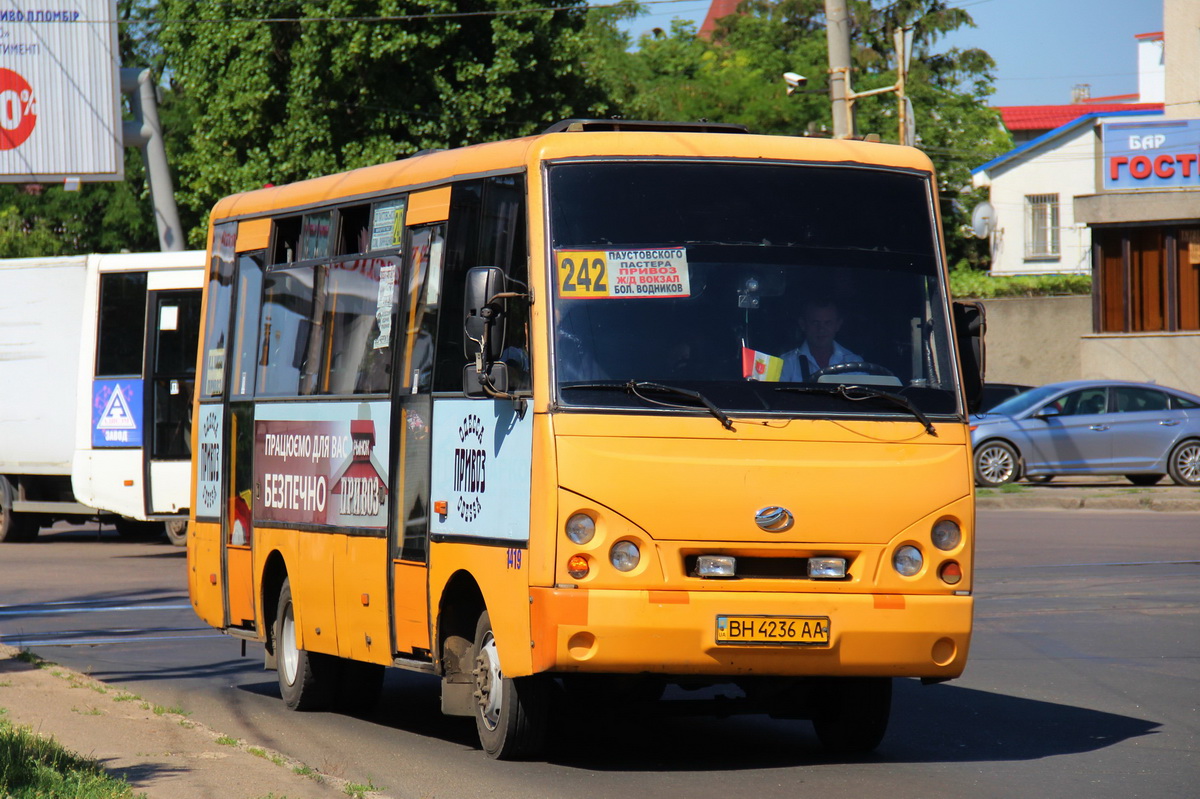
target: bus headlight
580 528
625 556
907 560
946 535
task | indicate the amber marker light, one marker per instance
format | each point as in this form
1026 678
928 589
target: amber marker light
951 573
577 567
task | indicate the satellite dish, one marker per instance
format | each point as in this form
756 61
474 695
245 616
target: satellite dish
983 220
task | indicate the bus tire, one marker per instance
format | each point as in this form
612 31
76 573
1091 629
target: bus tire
305 678
177 532
511 714
851 714
15 528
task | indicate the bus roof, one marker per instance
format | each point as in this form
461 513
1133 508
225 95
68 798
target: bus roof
438 167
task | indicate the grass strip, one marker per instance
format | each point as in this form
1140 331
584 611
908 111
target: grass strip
32 767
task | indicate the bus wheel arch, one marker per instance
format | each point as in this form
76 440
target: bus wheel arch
458 611
273 574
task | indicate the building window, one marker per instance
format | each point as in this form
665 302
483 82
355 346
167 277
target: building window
1147 279
1041 226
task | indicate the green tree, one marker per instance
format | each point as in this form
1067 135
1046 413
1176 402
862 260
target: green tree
288 89
737 77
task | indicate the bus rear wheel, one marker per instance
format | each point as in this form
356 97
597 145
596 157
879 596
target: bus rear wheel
16 528
177 531
305 678
511 714
851 714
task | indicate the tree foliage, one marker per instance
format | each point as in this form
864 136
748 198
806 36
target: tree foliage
271 91
287 89
737 77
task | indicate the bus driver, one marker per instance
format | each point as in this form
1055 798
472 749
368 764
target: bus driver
819 323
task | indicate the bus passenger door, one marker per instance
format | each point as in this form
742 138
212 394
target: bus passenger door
238 529
220 550
413 418
169 380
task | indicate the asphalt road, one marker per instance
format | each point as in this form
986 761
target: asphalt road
1084 679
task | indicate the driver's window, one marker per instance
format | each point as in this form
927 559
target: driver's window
1084 402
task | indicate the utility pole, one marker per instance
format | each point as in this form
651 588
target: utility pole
841 96
145 133
837 36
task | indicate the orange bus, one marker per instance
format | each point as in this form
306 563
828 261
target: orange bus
598 411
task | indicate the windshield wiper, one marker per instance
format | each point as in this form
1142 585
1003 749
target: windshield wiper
635 387
860 393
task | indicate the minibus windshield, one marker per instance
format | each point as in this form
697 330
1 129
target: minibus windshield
733 280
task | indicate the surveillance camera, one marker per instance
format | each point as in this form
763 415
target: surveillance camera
794 81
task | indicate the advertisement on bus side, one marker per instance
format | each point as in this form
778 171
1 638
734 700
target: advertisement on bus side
322 464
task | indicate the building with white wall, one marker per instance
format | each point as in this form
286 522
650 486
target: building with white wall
1032 189
1122 190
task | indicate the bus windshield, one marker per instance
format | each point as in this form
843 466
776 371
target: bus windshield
759 286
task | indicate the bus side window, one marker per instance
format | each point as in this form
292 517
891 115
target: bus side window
286 327
357 313
121 337
245 320
487 228
354 230
422 301
216 323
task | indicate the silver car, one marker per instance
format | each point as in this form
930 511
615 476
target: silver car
1140 430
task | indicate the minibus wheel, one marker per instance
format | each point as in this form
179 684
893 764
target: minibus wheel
851 714
305 678
511 714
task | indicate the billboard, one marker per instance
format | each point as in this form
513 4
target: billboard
60 92
1152 155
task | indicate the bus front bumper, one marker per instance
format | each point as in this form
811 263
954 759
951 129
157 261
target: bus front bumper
675 633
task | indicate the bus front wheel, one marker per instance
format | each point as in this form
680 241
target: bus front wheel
305 678
851 714
511 714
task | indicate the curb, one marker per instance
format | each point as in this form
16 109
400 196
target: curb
1140 502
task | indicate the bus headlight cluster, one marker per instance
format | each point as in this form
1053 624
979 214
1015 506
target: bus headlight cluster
908 560
580 529
624 556
946 535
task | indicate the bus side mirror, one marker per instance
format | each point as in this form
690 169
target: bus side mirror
483 325
497 380
970 324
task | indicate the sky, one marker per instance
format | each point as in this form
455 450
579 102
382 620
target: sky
1042 48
